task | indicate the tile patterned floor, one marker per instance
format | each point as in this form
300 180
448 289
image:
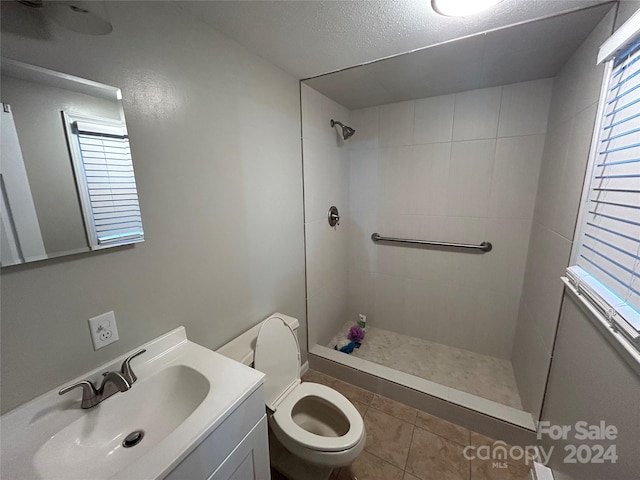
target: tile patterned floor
488 377
407 444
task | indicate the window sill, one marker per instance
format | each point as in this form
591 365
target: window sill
624 348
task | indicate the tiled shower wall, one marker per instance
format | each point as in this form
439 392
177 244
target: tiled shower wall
459 168
571 119
326 183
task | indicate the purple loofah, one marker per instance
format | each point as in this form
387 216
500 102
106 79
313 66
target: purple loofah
356 334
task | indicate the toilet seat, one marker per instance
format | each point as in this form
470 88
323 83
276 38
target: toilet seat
284 419
277 355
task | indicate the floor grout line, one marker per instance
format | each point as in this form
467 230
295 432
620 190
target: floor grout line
382 459
409 451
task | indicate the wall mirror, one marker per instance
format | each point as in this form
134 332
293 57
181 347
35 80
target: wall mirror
67 178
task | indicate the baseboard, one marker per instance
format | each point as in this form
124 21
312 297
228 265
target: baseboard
303 368
541 472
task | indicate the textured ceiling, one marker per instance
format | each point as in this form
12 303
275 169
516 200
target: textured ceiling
527 51
308 38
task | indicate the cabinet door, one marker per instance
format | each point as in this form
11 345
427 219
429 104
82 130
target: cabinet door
250 459
224 441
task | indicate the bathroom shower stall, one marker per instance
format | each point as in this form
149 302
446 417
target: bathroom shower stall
449 145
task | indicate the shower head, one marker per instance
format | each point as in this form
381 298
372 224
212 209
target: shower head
347 132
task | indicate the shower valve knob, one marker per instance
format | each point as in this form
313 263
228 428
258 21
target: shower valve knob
334 217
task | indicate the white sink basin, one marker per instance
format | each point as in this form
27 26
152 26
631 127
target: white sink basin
92 444
183 392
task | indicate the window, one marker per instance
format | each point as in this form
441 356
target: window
106 182
606 259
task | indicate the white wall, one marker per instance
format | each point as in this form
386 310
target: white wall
215 137
571 119
589 382
326 183
458 168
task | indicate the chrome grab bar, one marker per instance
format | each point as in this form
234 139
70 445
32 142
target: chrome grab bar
484 246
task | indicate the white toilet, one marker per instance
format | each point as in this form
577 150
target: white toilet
313 427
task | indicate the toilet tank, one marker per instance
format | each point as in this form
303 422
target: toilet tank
242 348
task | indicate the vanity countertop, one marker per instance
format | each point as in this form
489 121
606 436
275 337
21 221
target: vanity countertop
183 393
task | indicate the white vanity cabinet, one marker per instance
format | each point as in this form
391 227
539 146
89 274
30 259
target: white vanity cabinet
238 449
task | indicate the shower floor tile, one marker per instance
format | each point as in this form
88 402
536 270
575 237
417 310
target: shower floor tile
488 377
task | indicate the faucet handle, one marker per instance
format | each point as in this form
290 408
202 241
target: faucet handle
89 393
127 372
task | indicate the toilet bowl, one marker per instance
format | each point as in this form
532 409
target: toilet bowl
319 425
314 424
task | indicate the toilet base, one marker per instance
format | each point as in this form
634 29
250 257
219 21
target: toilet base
291 466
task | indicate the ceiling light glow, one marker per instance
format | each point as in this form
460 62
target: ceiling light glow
461 8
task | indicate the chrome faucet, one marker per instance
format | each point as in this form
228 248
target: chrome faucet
112 383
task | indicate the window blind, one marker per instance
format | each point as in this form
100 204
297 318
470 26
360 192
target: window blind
111 191
607 264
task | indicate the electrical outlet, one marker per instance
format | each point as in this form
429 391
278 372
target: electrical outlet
104 330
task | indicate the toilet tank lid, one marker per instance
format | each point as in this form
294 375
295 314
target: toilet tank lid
291 321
